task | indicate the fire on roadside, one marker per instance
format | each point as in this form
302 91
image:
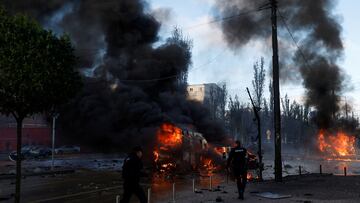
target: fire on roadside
168 137
336 145
221 151
208 166
182 149
249 176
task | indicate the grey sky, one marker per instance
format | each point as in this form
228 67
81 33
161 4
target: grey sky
213 61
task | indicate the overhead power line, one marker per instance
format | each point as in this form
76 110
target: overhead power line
293 39
96 50
263 7
177 75
260 8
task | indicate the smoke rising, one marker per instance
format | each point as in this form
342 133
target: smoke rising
319 35
114 40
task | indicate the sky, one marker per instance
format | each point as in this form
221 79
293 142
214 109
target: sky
214 62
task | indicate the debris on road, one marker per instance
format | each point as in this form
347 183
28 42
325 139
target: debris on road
270 195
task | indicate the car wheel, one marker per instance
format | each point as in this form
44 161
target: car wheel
12 157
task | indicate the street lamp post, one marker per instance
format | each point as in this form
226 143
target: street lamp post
53 140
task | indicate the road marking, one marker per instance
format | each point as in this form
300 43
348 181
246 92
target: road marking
76 194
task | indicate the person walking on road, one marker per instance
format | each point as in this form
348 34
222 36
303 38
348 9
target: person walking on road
131 173
237 162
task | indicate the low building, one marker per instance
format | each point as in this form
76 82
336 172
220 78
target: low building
211 96
203 92
35 131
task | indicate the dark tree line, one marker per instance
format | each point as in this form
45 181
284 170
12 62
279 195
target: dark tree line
240 120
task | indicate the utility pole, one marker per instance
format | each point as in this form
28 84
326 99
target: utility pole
256 112
55 115
277 118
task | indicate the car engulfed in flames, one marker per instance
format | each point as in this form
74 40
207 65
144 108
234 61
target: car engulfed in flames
179 150
338 145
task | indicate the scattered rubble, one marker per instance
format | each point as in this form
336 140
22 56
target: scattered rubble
219 199
271 195
288 166
37 170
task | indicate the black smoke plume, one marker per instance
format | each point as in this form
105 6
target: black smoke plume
319 34
122 103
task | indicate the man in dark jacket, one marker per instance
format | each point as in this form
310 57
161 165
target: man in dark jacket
237 161
131 174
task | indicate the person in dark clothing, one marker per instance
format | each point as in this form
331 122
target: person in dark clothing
237 161
131 173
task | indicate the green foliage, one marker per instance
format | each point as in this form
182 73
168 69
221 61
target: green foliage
36 67
258 81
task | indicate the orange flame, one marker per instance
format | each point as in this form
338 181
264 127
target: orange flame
220 150
169 135
249 176
336 145
156 156
208 166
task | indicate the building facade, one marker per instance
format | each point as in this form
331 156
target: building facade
203 93
35 131
211 96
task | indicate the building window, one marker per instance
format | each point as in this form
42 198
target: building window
200 88
191 89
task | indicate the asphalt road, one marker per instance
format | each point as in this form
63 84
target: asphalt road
94 172
76 187
97 179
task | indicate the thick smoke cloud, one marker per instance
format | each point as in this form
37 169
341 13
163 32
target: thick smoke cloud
115 41
320 40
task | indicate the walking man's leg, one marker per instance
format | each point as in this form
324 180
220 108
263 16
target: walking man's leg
128 190
239 186
245 180
243 184
139 192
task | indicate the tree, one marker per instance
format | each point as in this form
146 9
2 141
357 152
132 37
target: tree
222 100
185 44
258 81
286 106
266 107
216 100
36 73
234 116
271 99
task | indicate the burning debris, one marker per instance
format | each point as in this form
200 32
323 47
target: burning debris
169 136
181 150
169 142
337 145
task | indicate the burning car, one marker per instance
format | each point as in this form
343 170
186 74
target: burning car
181 149
178 149
336 145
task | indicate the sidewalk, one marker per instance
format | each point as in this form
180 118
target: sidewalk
309 188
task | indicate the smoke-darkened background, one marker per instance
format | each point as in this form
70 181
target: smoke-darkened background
123 102
318 34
